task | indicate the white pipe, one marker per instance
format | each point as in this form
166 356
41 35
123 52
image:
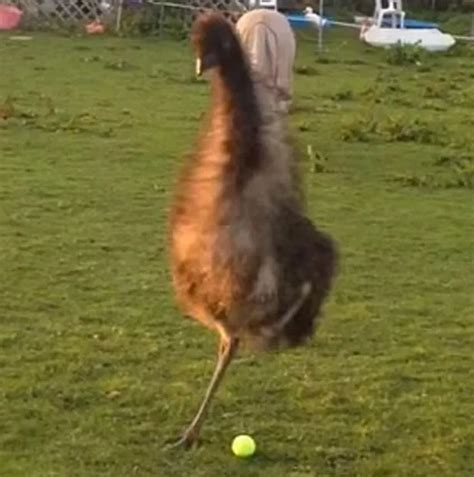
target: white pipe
321 27
345 24
463 38
118 23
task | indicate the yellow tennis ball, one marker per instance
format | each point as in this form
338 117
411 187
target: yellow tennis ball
243 446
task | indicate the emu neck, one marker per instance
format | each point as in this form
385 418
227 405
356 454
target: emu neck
236 114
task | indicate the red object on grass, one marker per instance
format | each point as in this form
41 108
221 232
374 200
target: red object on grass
10 17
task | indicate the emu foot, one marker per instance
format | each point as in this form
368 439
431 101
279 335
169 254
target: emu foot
186 441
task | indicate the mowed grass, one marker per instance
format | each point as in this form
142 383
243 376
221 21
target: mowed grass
97 366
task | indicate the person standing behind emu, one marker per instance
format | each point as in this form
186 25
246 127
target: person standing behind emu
268 39
270 47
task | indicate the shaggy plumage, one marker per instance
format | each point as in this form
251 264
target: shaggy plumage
245 260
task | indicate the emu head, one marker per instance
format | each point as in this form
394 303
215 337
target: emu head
215 42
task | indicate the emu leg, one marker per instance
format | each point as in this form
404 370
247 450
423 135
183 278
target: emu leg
227 348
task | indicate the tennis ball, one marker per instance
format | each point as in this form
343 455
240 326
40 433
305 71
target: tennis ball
243 446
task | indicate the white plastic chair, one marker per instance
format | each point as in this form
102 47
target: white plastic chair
393 10
273 4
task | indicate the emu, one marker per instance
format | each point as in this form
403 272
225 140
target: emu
245 260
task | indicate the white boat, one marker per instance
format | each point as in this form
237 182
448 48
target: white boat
429 39
387 29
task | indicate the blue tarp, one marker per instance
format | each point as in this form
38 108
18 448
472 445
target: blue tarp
412 24
300 21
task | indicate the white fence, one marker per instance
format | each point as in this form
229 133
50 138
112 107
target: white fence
79 11
63 11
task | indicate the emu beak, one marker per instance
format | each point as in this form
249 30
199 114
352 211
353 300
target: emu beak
205 62
198 67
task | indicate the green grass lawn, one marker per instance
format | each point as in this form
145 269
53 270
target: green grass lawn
98 368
